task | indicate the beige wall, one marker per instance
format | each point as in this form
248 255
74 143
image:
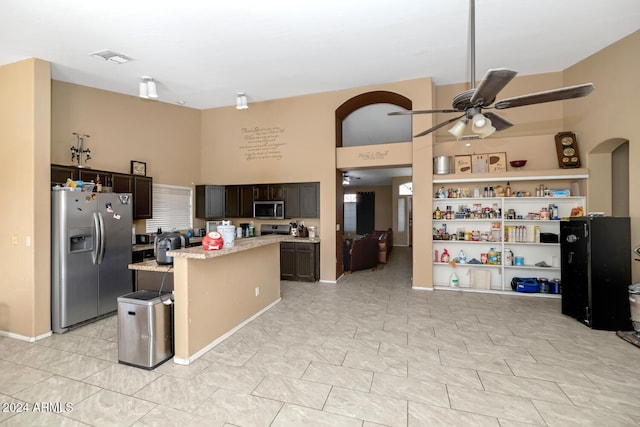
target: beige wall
609 113
25 103
291 140
125 128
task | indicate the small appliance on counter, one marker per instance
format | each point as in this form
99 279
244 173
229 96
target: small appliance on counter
165 242
143 239
282 229
313 232
228 232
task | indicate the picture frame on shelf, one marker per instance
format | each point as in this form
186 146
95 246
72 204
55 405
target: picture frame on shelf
462 164
497 162
479 163
138 168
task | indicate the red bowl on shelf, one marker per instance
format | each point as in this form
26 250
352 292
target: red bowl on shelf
517 163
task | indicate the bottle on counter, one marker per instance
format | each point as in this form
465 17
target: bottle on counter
453 280
98 184
252 230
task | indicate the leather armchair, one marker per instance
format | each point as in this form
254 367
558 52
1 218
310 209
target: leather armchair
363 254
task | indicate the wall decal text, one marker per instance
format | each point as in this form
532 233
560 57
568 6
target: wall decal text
373 155
260 143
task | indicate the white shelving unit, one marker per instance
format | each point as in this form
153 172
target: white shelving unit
474 276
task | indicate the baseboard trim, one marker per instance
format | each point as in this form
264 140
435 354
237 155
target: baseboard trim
25 338
220 339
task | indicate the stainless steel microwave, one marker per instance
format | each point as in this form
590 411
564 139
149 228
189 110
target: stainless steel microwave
268 210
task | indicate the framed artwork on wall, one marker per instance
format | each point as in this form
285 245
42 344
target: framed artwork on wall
462 164
138 168
497 162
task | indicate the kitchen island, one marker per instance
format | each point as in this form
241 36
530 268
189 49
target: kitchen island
217 292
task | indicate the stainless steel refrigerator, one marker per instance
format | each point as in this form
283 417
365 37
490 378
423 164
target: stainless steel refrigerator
90 253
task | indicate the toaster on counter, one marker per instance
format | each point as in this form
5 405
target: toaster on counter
143 239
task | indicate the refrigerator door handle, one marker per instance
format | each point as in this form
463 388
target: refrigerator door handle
97 238
102 242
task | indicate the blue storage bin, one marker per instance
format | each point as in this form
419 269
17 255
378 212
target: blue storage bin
528 285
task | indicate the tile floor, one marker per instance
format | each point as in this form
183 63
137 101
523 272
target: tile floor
366 352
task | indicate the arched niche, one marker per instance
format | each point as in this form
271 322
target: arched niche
609 177
366 120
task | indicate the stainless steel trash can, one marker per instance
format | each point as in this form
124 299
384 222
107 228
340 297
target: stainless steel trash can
145 329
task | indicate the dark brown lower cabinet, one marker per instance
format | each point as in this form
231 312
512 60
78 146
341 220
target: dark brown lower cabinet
300 261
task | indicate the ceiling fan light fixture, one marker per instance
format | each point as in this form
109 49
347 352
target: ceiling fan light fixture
458 129
479 121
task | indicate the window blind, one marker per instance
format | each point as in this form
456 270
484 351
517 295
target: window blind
172 208
350 213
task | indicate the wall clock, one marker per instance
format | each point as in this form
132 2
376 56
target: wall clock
138 168
567 149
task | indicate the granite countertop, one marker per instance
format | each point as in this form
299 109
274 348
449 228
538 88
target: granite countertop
196 252
243 244
151 265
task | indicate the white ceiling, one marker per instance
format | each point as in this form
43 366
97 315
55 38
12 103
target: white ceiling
202 52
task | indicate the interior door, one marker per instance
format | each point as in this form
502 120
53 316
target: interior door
410 218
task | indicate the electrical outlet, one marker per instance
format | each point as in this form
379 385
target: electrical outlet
27 241
258 291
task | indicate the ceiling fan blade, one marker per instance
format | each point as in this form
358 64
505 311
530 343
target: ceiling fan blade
438 126
497 121
568 92
411 112
492 83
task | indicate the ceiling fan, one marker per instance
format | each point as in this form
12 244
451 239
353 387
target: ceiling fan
346 179
471 103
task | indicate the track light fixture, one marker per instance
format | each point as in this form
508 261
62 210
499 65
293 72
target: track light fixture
148 88
241 101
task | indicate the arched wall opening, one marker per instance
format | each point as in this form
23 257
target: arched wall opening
609 177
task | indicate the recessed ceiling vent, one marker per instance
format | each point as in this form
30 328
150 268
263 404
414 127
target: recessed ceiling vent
110 56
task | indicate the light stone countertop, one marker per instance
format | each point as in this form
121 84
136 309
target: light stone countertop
150 264
196 252
240 245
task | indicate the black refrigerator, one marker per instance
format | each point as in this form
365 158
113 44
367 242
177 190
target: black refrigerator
596 271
